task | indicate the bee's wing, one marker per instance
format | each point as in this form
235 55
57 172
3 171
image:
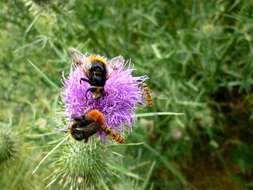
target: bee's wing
77 57
91 127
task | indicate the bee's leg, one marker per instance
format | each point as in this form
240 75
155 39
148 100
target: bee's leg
86 140
141 103
103 94
86 93
84 79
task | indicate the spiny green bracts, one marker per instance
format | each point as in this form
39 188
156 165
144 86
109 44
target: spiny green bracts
8 146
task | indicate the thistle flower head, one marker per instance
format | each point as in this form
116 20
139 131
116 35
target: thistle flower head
121 94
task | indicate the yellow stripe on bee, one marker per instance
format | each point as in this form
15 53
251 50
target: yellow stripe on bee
108 131
118 138
97 58
115 136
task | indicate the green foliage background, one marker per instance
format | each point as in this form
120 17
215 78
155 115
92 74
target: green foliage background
199 56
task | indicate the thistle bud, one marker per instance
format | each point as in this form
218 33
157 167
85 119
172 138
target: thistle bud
82 165
8 146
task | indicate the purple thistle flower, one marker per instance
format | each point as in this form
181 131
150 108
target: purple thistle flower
122 94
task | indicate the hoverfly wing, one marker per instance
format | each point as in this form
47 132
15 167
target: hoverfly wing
90 127
89 130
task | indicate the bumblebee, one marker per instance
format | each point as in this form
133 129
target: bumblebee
95 68
85 126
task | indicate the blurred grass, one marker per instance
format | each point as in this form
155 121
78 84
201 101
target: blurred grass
198 55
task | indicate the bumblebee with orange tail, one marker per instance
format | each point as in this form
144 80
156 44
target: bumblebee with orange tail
87 125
